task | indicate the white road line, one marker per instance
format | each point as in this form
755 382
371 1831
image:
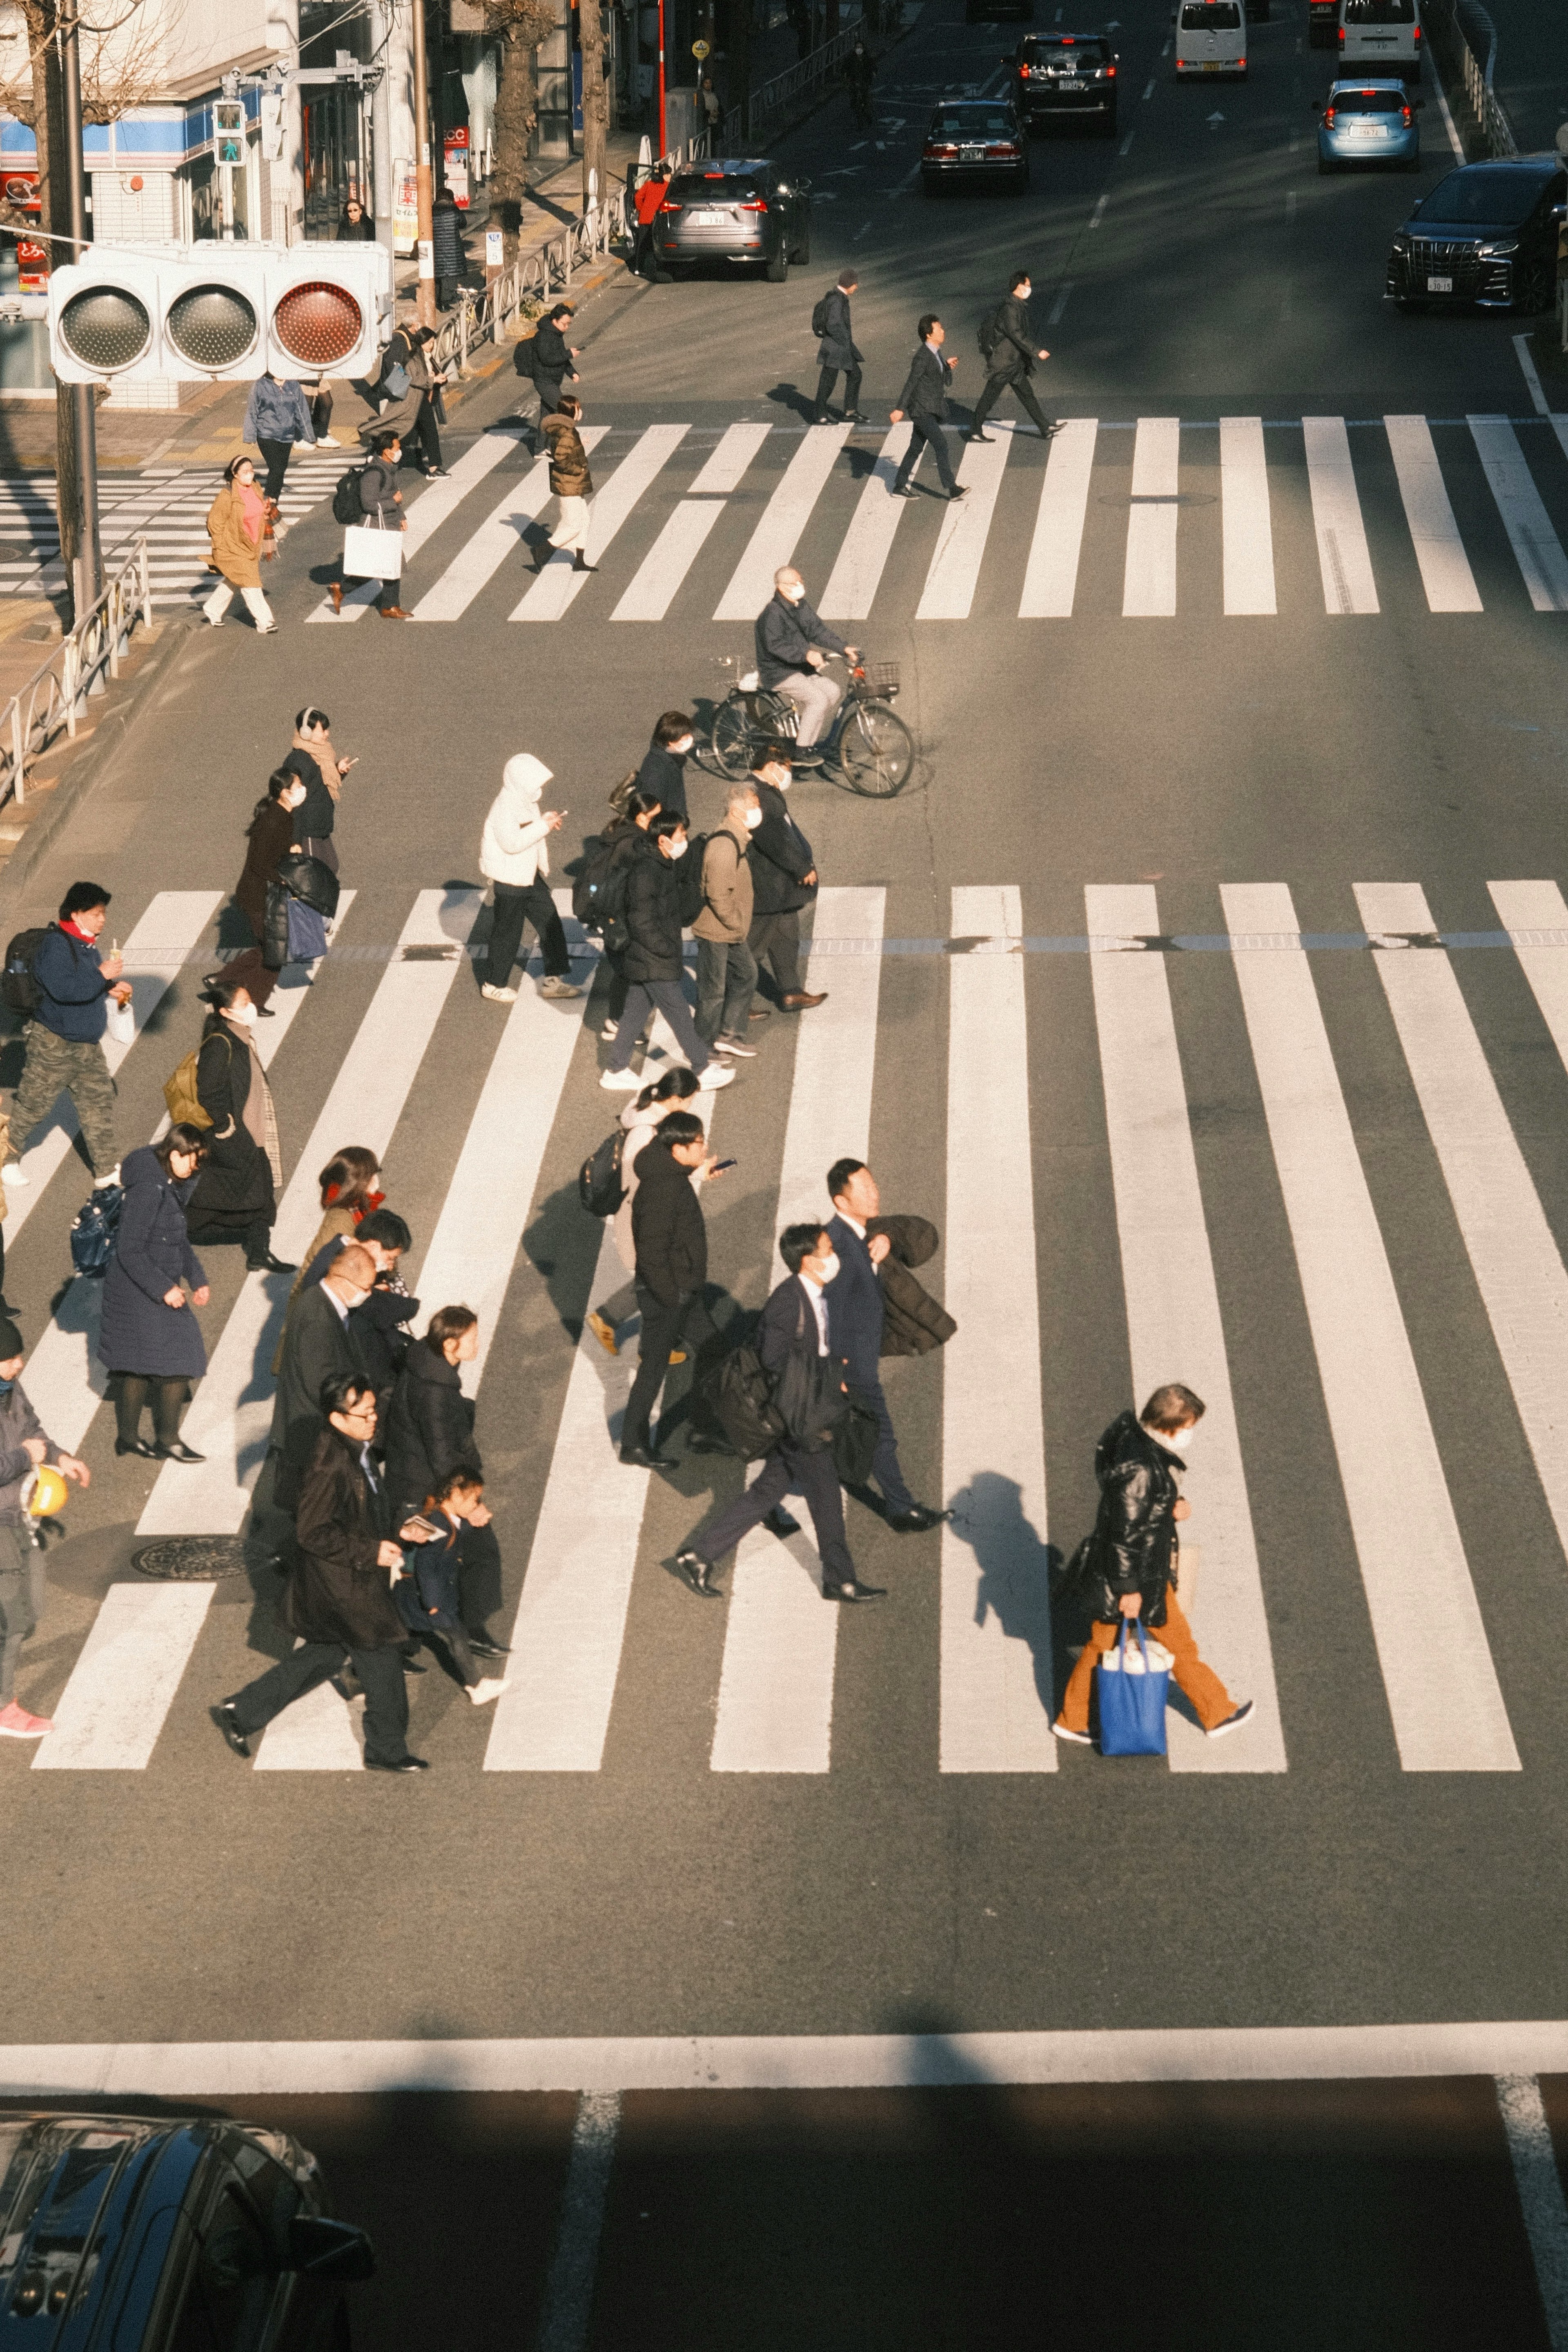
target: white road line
738 444
1173 1321
549 596
1342 555
1446 572
1050 579
1149 586
1248 538
1454 141
857 568
1531 376
783 519
499 535
1149 92
1059 305
1427 1623
1541 2198
1516 1267
1097 214
1126 147
233 1409
663 569
568 2305
835 1054
1529 526
995 1675
954 571
124 1682
426 514
1527 907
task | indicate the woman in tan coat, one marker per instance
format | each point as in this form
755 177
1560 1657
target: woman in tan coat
236 520
570 481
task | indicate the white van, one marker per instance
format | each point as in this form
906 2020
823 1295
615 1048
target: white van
1211 37
1382 36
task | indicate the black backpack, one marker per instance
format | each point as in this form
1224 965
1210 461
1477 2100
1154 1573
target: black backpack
739 1394
601 1187
819 317
18 982
94 1232
610 909
346 507
988 334
588 883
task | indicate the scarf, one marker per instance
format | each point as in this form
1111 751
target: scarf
325 758
261 1120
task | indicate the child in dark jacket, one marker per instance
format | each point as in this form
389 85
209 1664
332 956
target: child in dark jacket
427 1594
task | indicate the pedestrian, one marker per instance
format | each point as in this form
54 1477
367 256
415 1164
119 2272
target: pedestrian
838 353
349 1188
311 757
792 647
857 1311
23 1447
237 522
277 416
339 1599
429 1435
380 1323
514 858
671 1246
63 1035
319 1344
429 1596
1130 1567
924 400
712 105
150 1339
647 199
547 357
354 224
859 72
654 960
615 847
321 414
794 1323
428 379
571 482
381 508
784 880
235 1198
726 967
1010 359
395 396
269 839
662 775
446 248
641 1120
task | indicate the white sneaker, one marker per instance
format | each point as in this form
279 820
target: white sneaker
557 984
325 441
498 995
610 1031
621 1082
12 1173
481 1692
112 1178
717 1074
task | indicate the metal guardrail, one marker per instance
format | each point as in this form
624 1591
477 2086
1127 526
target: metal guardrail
749 123
1471 37
55 695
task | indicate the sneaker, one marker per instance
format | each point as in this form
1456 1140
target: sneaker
100 1182
716 1073
12 1173
610 1031
734 1046
498 995
557 984
490 1686
1234 1721
604 1330
856 416
623 1082
16 1723
325 441
1059 1730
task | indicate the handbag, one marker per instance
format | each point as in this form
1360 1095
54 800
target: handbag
372 554
394 381
808 1395
854 1444
312 881
307 932
1133 1687
119 1021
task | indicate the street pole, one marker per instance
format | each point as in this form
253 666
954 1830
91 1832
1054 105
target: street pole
426 177
663 147
76 428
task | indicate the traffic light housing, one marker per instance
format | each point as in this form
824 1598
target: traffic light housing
228 131
226 310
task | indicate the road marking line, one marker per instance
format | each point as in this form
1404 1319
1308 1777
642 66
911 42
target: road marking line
1342 555
1535 545
664 568
559 583
1248 540
1050 577
1446 572
1541 2198
1127 142
1149 584
1521 352
1454 141
1149 92
1173 1324
857 568
995 1670
500 534
784 519
1059 305
426 516
1097 214
1426 1622
124 1682
738 444
954 571
569 2290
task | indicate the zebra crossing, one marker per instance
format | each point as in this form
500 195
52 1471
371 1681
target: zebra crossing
165 505
772 1693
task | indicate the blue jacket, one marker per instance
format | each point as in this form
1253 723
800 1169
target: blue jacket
73 987
277 412
785 634
855 1306
428 1595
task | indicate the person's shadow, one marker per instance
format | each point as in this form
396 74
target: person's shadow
790 396
1015 1571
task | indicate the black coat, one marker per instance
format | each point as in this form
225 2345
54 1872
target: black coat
270 835
671 1237
431 1426
925 387
380 1326
837 348
317 812
234 1186
783 636
912 1322
139 1333
780 856
317 1342
653 915
447 238
663 775
338 1591
1133 1543
544 353
1014 352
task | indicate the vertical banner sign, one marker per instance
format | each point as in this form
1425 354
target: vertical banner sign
456 163
404 208
32 257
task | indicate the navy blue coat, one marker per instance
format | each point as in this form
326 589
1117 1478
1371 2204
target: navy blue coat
855 1306
72 988
139 1333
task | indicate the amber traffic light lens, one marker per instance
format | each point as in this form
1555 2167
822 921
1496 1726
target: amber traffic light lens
105 328
211 326
318 324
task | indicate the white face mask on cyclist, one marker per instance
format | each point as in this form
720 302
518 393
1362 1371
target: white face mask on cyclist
792 595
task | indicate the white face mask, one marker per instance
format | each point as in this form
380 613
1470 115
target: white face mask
1178 1439
792 595
244 1014
353 1299
753 819
675 849
293 796
1024 292
828 1267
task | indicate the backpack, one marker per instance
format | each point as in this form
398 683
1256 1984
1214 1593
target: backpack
610 909
94 1232
18 984
621 794
588 884
180 1093
601 1187
819 317
739 1394
988 334
346 507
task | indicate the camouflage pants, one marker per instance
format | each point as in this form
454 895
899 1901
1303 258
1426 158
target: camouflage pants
73 1066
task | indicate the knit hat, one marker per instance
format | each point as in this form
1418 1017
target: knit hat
525 775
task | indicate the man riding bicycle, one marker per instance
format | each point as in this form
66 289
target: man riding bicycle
792 647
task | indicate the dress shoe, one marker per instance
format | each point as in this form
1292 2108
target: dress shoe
854 1590
856 416
698 1573
228 1722
270 1264
136 1445
916 1519
582 564
639 1457
903 490
779 1522
413 1663
395 613
483 1647
404 1764
177 1453
335 590
700 1442
987 437
604 1330
959 490
800 1000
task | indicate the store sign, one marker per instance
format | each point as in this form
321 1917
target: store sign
32 258
404 208
456 165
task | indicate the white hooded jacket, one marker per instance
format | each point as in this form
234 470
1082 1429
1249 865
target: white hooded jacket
513 849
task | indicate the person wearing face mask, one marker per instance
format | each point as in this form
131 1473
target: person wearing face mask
514 858
792 647
235 1198
320 1343
23 1446
1011 359
726 967
793 1324
150 1340
380 1322
670 1243
1129 1566
311 758
662 776
857 1312
270 838
784 880
655 909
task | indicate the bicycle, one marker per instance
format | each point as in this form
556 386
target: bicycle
868 742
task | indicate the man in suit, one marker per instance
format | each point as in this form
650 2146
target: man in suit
672 1243
1012 361
855 1308
319 1343
794 1321
924 401
836 352
784 880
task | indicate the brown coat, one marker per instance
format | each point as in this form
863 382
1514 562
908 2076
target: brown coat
912 1322
569 475
236 554
726 883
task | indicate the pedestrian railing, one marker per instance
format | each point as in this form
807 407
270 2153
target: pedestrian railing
748 124
55 697
1464 29
543 271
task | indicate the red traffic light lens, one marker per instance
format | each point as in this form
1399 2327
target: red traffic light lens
317 323
105 328
211 326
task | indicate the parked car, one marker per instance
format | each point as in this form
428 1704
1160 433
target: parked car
1486 234
736 210
1064 78
156 2236
974 139
1368 122
1211 37
1380 36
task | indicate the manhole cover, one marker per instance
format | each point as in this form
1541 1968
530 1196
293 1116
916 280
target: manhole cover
191 1560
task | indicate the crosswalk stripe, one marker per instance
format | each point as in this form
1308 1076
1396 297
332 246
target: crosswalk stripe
738 444
124 1682
1342 554
1446 573
428 511
669 559
857 568
955 570
1173 1321
548 597
1529 907
1529 526
319 1733
1427 1622
995 1640
1149 584
1247 539
784 519
499 535
229 1420
1050 580
775 1691
1511 1247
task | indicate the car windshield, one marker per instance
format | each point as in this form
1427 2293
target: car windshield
972 122
713 188
1212 17
1380 12
1367 101
1068 55
1482 192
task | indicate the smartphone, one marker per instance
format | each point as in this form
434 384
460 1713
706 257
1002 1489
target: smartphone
719 1165
419 1530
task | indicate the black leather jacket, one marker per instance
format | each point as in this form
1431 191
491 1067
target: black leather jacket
1133 1542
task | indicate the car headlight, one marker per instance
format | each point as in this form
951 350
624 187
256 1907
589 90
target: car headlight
1500 252
1399 248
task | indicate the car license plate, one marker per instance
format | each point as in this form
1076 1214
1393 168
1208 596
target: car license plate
707 220
970 154
1439 286
1072 85
1212 66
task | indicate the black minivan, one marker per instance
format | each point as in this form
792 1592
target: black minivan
736 210
1486 235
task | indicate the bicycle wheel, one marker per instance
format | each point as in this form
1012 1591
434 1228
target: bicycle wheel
875 751
729 743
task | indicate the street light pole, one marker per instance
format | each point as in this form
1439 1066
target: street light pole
76 429
425 181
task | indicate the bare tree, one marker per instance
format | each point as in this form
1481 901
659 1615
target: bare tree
119 70
519 26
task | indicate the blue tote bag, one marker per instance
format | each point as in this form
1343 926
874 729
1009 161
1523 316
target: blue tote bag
1132 1689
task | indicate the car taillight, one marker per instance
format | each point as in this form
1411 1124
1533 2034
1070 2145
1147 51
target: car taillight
932 148
669 208
1341 36
1023 73
1329 119
1110 73
1405 111
1003 147
758 208
1419 37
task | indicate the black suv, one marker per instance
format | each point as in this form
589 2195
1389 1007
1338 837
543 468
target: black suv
1066 78
1486 235
736 209
179 2236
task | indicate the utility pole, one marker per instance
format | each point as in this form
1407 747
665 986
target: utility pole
426 178
76 428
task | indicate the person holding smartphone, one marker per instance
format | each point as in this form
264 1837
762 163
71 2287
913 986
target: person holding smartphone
312 758
429 1596
514 858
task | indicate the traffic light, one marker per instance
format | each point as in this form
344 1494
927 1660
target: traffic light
228 130
221 310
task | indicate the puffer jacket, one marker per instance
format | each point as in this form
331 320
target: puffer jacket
277 412
514 847
653 915
569 475
1133 1545
19 1422
912 1322
430 1425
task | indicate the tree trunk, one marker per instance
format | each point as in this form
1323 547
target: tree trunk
516 111
738 61
595 100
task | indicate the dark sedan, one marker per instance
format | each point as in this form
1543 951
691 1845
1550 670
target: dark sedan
974 139
736 210
1066 78
1486 235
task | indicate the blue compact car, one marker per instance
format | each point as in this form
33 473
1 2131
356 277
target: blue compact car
1368 122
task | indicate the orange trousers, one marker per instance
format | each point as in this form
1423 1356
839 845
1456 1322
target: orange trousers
1209 1697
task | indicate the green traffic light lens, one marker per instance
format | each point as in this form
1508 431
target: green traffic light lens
211 326
105 328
